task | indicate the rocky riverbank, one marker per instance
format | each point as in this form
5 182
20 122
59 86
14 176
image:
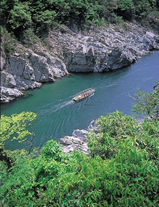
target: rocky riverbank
78 140
97 50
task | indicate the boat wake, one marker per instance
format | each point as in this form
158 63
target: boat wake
70 102
53 107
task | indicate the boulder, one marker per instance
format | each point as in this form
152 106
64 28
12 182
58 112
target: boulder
81 134
75 142
81 61
67 140
78 140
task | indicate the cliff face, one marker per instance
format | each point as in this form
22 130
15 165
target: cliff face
98 50
29 71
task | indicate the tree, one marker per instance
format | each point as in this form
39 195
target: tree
6 6
18 127
126 176
113 129
147 104
20 17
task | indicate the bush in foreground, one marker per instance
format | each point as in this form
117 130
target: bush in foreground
121 171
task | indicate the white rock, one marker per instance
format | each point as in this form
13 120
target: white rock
8 94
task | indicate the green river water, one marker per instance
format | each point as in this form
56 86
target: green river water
58 116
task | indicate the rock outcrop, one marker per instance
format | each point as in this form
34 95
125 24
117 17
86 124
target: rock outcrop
9 94
28 72
78 140
97 50
103 49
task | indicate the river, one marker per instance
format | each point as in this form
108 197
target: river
58 116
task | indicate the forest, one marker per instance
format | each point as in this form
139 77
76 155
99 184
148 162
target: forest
122 168
43 15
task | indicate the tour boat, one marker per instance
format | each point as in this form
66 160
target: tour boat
83 94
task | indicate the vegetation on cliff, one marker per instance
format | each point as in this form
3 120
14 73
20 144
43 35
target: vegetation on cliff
122 169
38 15
26 21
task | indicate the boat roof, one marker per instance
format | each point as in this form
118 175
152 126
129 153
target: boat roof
86 90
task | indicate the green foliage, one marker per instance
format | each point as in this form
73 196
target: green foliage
11 191
16 126
7 41
132 9
125 5
39 15
147 104
133 148
20 17
6 7
113 128
52 150
122 169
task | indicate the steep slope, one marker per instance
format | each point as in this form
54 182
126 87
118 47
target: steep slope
97 50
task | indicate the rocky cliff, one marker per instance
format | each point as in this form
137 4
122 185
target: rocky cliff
97 50
28 71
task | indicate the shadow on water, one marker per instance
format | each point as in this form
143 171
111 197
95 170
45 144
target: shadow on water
26 94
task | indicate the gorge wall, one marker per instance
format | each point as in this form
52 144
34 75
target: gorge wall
97 50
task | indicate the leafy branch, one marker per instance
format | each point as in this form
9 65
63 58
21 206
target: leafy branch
147 104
